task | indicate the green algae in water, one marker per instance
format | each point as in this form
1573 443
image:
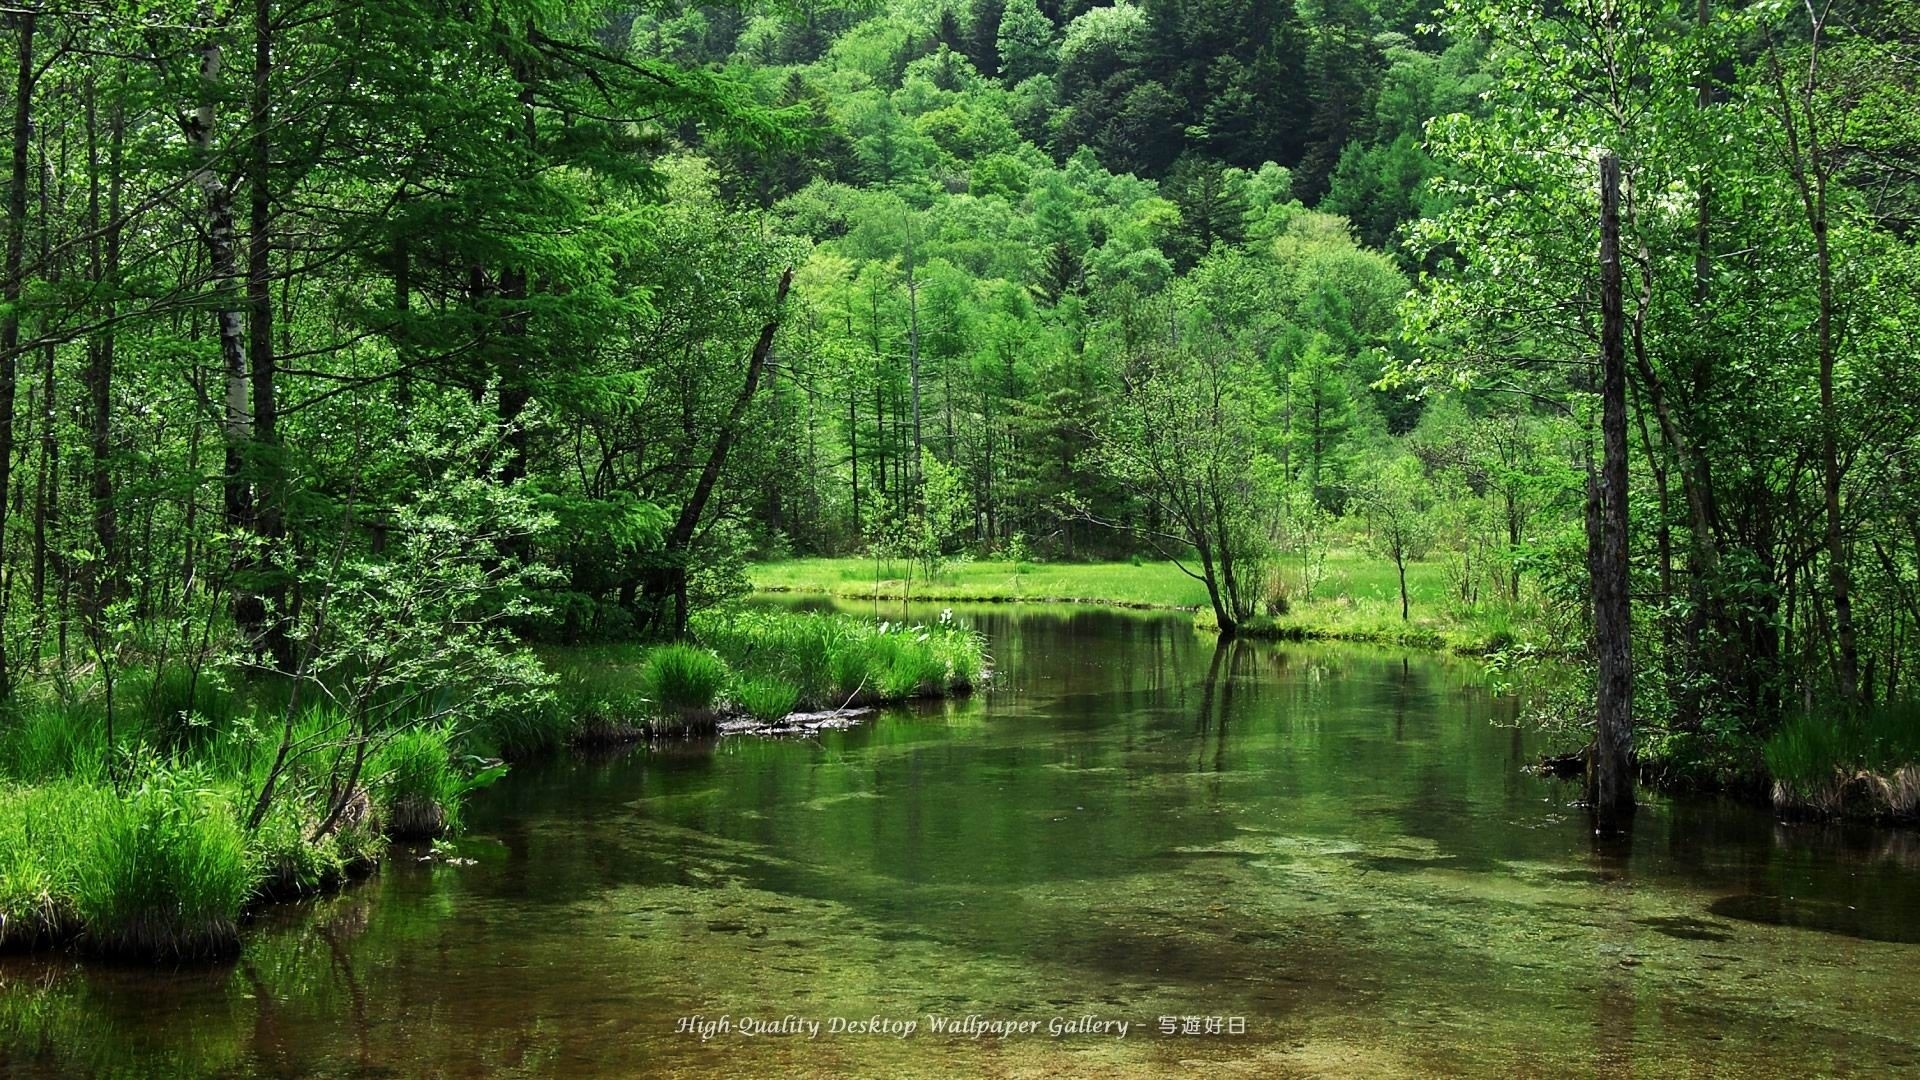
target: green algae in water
1336 844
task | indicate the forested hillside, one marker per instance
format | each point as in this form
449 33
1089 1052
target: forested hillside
349 348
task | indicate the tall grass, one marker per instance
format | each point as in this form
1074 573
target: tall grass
163 870
1866 764
683 678
831 659
46 741
416 783
767 698
45 832
135 845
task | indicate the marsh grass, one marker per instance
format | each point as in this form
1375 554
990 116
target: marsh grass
415 783
179 705
683 679
163 870
1141 584
832 660
45 831
1865 765
47 740
134 847
767 698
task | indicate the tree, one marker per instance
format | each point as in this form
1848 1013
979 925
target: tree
1186 433
1026 42
1396 502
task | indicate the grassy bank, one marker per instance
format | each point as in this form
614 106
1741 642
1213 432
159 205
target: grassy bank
1138 585
1866 766
758 665
130 836
1356 598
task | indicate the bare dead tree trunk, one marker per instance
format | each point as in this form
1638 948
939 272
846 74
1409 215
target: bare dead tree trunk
1610 780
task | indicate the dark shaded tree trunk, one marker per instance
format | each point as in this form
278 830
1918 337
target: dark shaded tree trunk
264 456
666 591
11 291
1610 780
103 570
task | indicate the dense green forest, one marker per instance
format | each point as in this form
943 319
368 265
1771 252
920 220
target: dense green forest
346 349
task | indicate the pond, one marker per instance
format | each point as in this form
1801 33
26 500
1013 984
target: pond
1322 860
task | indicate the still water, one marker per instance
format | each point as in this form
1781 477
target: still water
1333 850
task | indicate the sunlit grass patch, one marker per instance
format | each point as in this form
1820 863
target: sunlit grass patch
162 870
766 698
831 660
683 679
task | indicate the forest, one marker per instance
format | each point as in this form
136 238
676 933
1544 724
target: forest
393 393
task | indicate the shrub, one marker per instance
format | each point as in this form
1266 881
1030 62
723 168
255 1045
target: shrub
1275 594
286 862
682 678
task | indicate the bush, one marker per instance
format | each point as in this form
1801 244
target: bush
288 863
682 678
1275 595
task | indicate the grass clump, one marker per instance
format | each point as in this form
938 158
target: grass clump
44 833
163 870
682 679
416 784
833 659
767 698
47 741
1865 765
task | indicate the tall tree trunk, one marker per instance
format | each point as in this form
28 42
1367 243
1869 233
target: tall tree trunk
11 291
1610 779
1839 572
913 366
46 491
853 454
268 524
1406 606
103 570
236 426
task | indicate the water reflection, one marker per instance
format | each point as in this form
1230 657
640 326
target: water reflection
1132 820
